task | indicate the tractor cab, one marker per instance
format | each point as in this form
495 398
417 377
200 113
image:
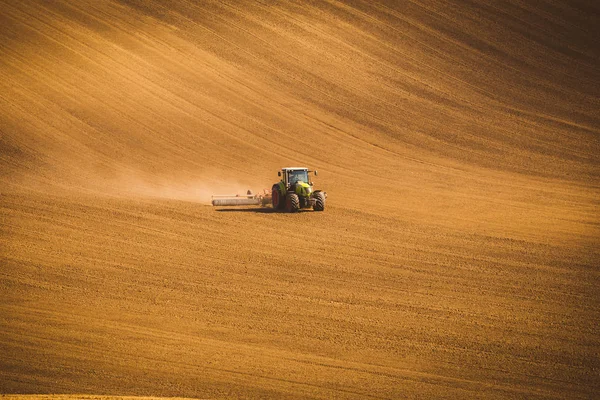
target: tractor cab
292 176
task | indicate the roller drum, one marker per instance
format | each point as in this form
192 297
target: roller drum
236 202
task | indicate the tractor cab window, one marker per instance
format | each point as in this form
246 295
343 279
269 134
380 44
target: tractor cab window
295 176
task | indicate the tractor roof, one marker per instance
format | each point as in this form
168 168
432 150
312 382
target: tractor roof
293 168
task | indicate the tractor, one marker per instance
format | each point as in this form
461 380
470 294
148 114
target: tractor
295 191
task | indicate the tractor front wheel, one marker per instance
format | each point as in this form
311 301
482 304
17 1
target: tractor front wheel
276 198
292 202
319 202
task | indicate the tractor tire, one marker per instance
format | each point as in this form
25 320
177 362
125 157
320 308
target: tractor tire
277 198
320 202
292 203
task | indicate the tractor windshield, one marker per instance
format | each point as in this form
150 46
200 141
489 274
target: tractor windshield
298 175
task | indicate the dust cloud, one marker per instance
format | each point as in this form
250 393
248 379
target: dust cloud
191 189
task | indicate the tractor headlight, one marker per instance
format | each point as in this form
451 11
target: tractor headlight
308 190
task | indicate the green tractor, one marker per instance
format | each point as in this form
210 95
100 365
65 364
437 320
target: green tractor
295 191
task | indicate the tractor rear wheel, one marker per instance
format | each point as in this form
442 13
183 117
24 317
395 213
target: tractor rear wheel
276 198
292 202
320 202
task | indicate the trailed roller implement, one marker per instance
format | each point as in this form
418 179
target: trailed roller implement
249 199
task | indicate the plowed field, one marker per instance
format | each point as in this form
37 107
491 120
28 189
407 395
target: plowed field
458 255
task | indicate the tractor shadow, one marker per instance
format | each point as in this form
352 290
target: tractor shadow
262 210
248 210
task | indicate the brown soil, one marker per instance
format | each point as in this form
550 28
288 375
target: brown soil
80 397
458 254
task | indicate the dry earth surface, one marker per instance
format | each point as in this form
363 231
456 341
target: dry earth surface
81 397
459 253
